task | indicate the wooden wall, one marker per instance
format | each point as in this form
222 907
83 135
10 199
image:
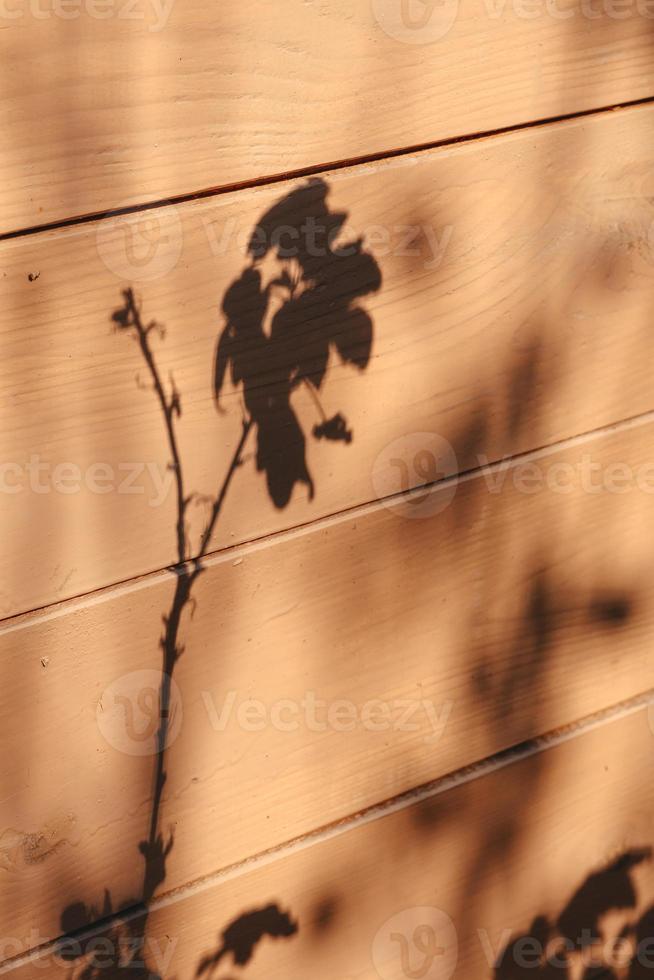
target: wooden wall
327 489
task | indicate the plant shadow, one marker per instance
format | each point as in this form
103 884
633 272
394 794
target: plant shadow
584 941
278 335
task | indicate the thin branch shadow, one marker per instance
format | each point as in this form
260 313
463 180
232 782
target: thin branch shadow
315 287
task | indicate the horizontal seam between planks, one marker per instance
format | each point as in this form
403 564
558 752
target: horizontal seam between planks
335 165
378 811
42 614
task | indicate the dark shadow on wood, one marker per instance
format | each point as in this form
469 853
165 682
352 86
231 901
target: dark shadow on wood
577 943
319 284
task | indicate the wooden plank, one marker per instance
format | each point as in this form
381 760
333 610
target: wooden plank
144 101
520 314
382 651
544 849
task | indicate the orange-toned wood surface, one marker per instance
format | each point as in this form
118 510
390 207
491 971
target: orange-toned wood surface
544 849
326 489
514 310
322 673
139 100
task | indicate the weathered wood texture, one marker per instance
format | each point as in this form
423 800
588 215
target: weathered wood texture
514 310
491 856
501 617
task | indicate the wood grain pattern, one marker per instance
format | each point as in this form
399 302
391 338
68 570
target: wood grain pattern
534 325
146 100
490 855
504 615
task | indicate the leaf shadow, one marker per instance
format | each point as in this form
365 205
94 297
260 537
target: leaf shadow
317 285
